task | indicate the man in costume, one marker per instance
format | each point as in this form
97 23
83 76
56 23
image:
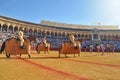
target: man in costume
20 36
72 40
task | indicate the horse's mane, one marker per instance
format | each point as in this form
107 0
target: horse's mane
26 39
9 39
15 39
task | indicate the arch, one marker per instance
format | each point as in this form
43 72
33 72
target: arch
79 36
113 36
26 31
43 33
30 31
102 36
82 36
105 36
39 32
75 35
0 27
67 35
48 33
63 34
117 36
15 29
109 36
56 33
52 34
35 32
89 36
86 36
59 34
11 29
4 28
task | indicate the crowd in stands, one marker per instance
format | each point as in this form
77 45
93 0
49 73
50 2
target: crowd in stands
57 41
113 44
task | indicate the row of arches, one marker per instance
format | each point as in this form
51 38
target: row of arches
39 32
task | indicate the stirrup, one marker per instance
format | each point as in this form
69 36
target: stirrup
22 47
75 47
46 47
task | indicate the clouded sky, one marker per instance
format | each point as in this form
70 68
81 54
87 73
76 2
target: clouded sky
86 12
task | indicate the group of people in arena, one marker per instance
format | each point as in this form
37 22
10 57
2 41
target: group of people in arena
105 46
102 48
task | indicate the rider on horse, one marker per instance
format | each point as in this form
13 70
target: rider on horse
45 42
72 40
20 36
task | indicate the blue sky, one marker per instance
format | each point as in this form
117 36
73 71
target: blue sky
86 12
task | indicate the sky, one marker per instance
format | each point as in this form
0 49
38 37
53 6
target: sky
85 12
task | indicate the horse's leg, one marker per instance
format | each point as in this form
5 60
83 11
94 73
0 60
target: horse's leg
7 55
66 55
78 54
48 51
103 53
38 50
29 55
79 48
44 52
74 55
48 48
79 51
20 55
59 53
29 52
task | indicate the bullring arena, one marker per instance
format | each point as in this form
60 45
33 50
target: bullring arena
99 52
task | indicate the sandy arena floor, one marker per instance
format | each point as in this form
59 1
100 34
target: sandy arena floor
49 67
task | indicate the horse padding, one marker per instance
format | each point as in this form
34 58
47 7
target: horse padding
68 48
12 47
42 47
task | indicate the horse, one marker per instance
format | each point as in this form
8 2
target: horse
11 46
41 47
68 48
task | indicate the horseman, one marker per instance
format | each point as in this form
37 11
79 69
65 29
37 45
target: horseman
45 42
20 36
72 40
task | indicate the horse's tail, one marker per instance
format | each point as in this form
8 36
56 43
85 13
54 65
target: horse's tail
2 47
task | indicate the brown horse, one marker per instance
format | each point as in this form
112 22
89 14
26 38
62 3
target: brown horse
11 46
41 47
68 48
